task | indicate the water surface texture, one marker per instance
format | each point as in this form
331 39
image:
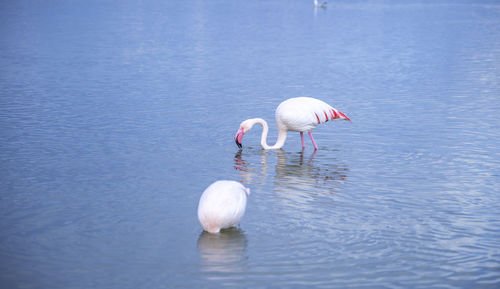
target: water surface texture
116 115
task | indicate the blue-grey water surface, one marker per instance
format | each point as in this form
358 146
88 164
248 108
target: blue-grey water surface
116 115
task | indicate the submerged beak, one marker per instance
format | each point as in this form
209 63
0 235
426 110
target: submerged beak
238 137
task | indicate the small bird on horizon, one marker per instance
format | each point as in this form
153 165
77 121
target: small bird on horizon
320 5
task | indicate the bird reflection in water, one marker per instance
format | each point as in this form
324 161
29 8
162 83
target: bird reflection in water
223 253
294 171
248 173
300 188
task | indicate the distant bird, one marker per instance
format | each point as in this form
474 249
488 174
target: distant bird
300 114
320 5
222 205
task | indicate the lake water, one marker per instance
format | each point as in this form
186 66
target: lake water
116 115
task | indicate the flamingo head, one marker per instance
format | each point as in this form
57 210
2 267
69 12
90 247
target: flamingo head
244 128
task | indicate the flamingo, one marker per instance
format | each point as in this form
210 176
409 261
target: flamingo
320 5
222 205
300 114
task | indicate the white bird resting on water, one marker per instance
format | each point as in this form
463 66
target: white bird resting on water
294 114
320 5
222 205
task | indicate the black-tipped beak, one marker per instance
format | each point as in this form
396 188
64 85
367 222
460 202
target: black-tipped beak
238 137
238 143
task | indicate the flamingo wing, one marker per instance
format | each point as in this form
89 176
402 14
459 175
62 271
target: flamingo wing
305 113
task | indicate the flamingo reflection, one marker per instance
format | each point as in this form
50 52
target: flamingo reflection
223 253
293 171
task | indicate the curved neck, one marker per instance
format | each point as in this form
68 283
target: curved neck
265 129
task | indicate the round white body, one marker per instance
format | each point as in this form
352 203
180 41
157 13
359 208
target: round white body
222 205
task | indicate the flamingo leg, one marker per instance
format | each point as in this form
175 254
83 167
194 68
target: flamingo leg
312 139
302 139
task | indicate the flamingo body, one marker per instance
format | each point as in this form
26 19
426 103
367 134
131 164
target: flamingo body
304 113
301 114
222 205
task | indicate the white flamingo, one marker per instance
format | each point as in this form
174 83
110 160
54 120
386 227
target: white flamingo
320 5
222 205
295 114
